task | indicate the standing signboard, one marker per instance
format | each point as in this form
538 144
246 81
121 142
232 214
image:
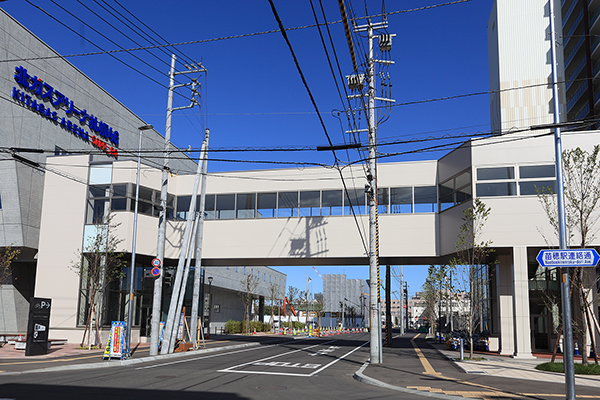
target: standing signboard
38 326
114 346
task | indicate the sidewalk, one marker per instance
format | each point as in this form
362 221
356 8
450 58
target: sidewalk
508 367
420 368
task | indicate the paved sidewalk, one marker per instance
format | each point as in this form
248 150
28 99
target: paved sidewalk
418 368
508 367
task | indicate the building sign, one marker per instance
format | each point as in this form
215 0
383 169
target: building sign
41 96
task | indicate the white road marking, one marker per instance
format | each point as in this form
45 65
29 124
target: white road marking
261 362
205 357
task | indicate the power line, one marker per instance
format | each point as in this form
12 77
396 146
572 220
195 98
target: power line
175 44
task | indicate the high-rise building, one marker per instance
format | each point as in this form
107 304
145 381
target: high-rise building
520 64
581 48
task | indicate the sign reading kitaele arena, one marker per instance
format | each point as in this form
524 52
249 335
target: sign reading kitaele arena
568 258
51 96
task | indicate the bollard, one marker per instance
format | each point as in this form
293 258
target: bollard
462 351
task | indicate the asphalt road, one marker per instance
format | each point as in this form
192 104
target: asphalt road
313 368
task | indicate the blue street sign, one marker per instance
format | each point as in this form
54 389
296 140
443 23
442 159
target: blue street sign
568 258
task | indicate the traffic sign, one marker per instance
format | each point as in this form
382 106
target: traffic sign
156 271
156 262
568 258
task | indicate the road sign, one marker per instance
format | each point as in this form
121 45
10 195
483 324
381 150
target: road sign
156 262
156 271
568 258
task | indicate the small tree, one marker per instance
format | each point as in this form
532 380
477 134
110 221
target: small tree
292 297
248 287
471 266
98 263
7 255
581 176
319 307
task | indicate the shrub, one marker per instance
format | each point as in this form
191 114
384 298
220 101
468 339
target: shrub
233 327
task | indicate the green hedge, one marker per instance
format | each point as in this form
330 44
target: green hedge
234 327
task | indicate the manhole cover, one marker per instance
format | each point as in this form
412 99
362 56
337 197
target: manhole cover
271 387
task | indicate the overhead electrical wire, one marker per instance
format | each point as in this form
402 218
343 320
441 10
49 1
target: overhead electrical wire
336 159
219 38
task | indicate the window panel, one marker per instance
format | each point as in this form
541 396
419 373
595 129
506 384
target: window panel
183 207
99 191
287 204
537 171
100 173
356 201
383 200
310 203
225 206
532 187
425 199
266 205
464 194
496 189
245 205
209 206
462 180
331 203
119 204
119 190
486 174
401 200
145 194
97 209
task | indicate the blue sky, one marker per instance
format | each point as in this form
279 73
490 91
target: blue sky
252 95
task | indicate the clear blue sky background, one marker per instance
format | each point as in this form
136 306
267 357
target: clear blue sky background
253 94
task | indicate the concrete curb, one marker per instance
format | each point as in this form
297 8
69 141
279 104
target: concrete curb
133 361
359 376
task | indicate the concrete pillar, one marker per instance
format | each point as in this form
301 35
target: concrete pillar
521 321
505 304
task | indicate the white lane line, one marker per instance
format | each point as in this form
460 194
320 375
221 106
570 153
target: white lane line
205 357
230 369
285 373
337 359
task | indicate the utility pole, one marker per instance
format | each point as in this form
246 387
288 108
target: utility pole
195 68
569 363
388 305
402 309
199 238
375 307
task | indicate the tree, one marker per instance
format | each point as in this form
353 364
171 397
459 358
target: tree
471 264
7 255
98 264
436 289
274 295
319 307
292 296
581 177
248 287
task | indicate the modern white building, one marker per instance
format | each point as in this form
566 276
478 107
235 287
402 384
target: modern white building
519 64
283 217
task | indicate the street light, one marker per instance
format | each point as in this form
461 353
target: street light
135 215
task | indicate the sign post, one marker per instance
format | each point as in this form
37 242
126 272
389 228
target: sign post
568 258
38 326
